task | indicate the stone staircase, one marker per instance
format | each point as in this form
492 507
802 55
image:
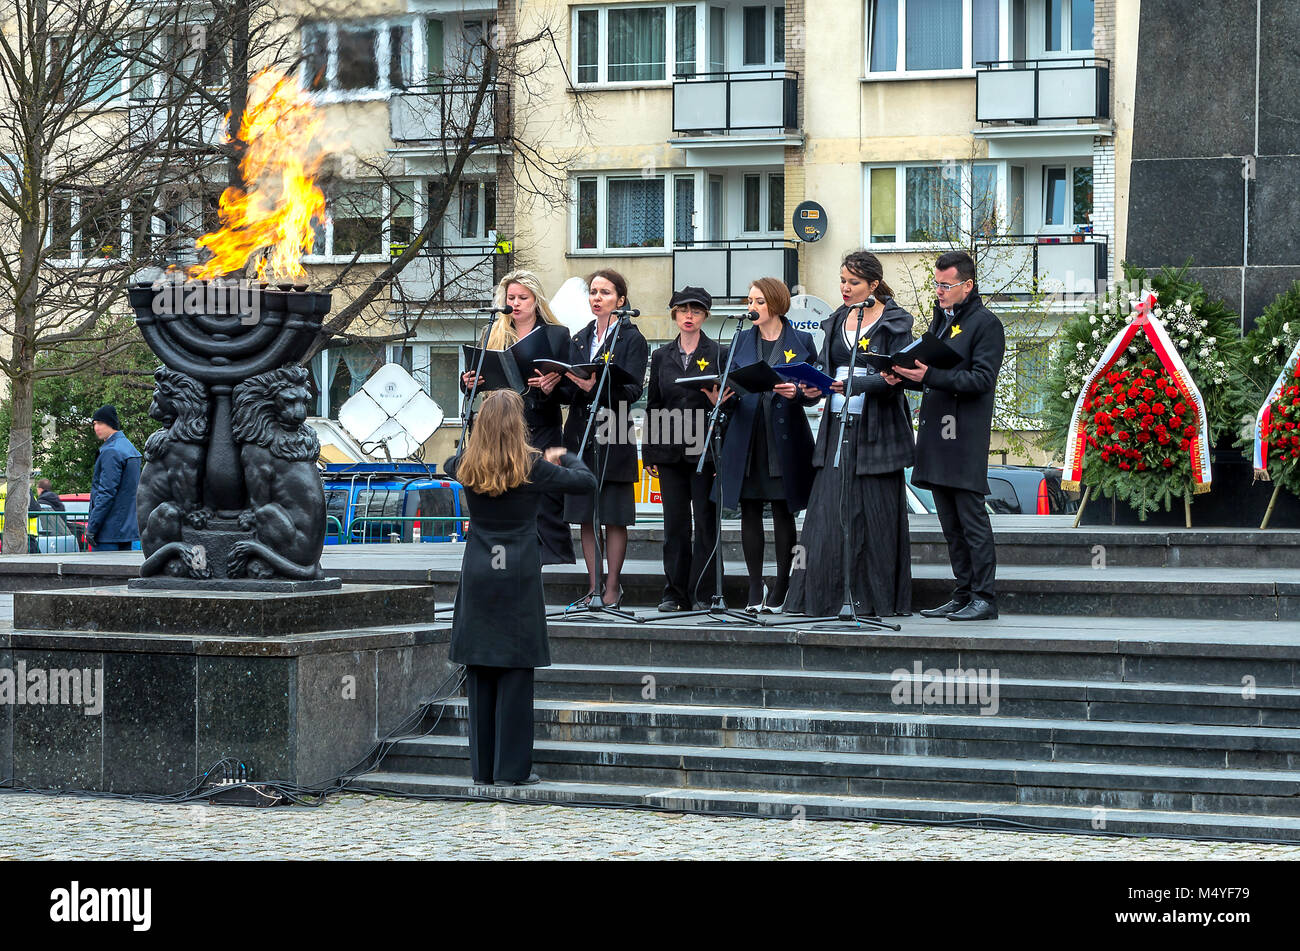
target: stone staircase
1130 726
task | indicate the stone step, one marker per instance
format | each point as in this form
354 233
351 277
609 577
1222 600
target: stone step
793 806
757 689
1092 785
1245 656
901 733
1051 540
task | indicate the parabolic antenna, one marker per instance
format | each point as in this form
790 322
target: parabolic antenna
391 412
569 305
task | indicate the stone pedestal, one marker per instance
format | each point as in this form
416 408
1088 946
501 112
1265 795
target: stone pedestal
299 687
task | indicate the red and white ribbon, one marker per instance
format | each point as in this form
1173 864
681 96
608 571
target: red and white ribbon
1143 320
1263 419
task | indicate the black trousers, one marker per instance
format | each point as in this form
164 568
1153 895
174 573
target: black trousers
686 557
500 723
966 528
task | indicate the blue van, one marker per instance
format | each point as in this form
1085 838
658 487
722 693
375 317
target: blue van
384 502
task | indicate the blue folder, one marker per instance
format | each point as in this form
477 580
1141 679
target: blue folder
806 374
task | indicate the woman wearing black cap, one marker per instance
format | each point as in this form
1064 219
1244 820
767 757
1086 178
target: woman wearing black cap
677 420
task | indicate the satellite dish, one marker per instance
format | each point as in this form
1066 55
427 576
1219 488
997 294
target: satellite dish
807 313
569 305
391 415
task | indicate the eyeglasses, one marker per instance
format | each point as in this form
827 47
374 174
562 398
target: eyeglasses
947 287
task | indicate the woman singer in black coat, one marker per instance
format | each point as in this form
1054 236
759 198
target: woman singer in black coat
767 450
880 447
544 393
611 450
499 628
677 421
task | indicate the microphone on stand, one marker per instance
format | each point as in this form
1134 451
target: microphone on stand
505 309
752 315
624 313
863 305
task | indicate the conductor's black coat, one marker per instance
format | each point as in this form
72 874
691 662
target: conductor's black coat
663 440
794 442
956 415
631 353
500 618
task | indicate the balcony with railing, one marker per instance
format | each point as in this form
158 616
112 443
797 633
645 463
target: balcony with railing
452 275
726 268
186 121
1042 90
739 102
442 112
1013 266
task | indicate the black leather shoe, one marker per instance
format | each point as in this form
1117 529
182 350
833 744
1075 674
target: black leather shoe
945 609
532 778
977 610
668 605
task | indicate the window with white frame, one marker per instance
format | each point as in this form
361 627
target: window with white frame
627 44
348 58
1067 25
915 38
762 39
1067 196
619 212
1032 359
925 204
86 225
763 202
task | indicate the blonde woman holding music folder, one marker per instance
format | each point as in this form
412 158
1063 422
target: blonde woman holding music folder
544 394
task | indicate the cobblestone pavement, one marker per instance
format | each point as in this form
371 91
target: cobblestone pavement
363 827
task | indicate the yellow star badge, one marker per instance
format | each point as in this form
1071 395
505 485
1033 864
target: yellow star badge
789 356
956 329
864 342
606 356
701 363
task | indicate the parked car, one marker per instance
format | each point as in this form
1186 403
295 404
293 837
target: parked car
383 502
1029 490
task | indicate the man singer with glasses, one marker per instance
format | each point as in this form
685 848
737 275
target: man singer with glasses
952 441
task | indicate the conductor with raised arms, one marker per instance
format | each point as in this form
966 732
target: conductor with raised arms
952 440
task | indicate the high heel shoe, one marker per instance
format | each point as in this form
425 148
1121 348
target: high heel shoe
619 603
756 609
773 609
584 602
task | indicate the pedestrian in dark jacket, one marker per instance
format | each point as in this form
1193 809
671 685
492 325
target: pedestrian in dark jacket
49 499
954 431
767 451
499 628
611 450
865 496
677 420
111 523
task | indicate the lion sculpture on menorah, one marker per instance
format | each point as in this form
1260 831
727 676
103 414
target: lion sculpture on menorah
286 501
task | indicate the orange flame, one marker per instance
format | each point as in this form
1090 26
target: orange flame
280 129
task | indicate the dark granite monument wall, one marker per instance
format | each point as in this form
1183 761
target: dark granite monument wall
1206 99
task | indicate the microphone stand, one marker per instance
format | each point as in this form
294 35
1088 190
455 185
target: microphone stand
597 601
848 615
478 370
717 608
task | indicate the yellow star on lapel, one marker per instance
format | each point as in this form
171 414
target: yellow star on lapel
789 356
864 342
701 363
956 329
606 355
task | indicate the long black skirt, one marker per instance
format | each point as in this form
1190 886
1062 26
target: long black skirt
880 549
